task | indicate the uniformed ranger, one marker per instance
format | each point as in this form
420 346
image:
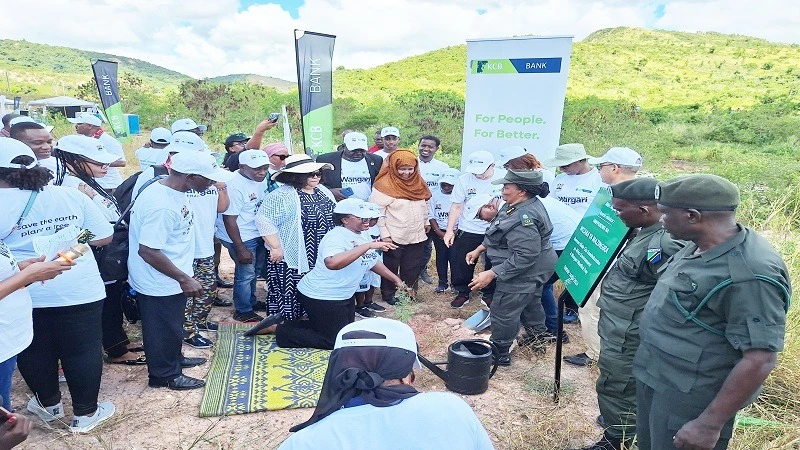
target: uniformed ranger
623 294
715 321
517 243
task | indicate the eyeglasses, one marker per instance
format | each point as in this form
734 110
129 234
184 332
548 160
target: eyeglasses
600 166
242 143
281 157
100 165
316 174
364 220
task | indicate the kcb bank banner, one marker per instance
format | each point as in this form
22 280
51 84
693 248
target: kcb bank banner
515 94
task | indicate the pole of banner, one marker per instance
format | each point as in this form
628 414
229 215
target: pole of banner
299 90
559 344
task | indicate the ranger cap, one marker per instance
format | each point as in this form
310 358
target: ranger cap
703 192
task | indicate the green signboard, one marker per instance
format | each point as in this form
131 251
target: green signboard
592 248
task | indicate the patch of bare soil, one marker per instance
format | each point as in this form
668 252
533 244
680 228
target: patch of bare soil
518 409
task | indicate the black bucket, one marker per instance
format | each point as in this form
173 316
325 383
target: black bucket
469 366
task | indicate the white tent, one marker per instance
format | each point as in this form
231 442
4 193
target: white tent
62 102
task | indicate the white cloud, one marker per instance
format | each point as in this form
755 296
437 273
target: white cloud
207 38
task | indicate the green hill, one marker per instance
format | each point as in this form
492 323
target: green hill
277 83
39 70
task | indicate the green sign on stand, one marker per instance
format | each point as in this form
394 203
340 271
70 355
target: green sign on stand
592 248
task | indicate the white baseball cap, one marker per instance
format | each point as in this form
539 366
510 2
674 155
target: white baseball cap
478 162
395 334
390 131
198 163
623 156
254 158
449 176
90 148
373 210
353 206
183 141
355 141
186 124
10 149
474 205
84 117
161 135
23 119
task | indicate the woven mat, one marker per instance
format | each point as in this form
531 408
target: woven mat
250 374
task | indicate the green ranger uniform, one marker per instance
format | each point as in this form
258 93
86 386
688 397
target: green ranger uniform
518 245
623 295
706 310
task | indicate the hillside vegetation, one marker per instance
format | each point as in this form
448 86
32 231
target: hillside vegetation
277 83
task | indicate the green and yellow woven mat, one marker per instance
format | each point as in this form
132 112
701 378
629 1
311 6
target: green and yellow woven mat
250 374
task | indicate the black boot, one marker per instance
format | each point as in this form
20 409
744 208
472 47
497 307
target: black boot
535 341
607 443
503 355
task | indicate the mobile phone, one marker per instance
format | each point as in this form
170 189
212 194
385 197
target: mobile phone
273 117
347 192
4 415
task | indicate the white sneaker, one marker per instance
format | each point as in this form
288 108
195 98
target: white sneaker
84 424
49 413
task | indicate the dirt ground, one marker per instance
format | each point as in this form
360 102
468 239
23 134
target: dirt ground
518 409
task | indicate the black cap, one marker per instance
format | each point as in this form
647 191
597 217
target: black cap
238 137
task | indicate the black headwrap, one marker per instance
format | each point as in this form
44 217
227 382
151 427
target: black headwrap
360 372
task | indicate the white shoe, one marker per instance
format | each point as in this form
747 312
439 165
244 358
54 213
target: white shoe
84 424
49 413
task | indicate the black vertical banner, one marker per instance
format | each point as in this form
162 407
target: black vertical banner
315 87
105 74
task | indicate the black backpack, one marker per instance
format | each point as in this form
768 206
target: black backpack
112 258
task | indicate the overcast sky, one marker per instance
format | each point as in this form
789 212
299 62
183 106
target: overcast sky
205 38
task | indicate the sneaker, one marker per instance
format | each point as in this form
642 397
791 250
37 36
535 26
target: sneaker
248 316
198 341
375 307
364 312
459 301
442 287
84 424
570 316
425 277
487 302
211 327
260 306
225 284
392 301
46 413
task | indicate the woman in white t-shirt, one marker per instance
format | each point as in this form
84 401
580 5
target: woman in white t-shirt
327 292
80 162
66 310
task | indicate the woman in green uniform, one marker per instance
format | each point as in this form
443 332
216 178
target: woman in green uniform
517 243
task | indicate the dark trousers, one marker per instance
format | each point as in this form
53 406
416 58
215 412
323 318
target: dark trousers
404 261
162 333
325 319
510 310
461 273
426 254
115 340
72 335
442 258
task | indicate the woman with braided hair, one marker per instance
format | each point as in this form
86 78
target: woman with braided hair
79 161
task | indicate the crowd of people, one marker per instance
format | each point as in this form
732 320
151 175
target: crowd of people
678 342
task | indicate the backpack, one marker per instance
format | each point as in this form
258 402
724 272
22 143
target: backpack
112 258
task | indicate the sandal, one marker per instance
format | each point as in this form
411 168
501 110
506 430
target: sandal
138 349
141 360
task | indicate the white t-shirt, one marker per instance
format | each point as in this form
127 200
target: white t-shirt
466 187
431 172
113 177
431 420
161 219
246 196
16 320
564 219
440 204
355 175
578 191
204 206
382 154
326 284
149 156
56 207
50 164
106 206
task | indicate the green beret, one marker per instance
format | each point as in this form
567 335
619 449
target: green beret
638 189
703 192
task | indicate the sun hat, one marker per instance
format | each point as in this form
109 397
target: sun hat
449 176
478 162
567 154
185 140
396 335
84 117
355 141
623 156
186 124
301 163
87 147
10 149
253 158
202 164
390 131
161 135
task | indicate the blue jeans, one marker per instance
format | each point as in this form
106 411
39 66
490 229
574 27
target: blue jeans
244 275
549 305
6 373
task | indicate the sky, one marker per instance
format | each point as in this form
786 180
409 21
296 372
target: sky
204 38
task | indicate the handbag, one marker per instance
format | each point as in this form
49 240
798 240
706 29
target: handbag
129 303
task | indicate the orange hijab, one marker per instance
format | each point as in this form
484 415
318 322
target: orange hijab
389 182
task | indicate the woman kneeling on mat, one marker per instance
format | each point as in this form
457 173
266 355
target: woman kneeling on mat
327 292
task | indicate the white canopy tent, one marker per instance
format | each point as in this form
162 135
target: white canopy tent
62 102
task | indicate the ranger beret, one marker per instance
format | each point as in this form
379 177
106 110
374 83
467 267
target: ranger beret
638 189
703 192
